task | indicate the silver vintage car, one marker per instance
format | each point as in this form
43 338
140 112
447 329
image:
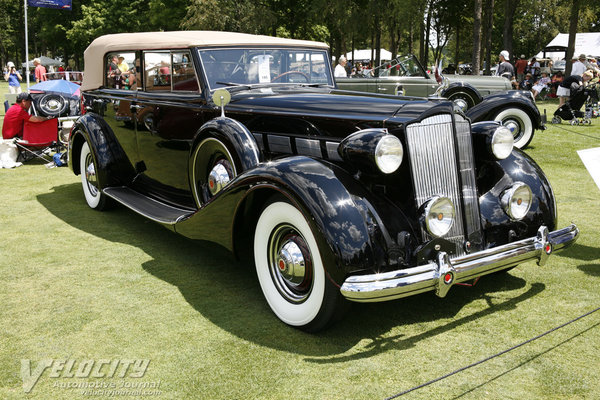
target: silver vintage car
405 76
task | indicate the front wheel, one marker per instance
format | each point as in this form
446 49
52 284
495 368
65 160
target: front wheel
89 180
519 123
290 269
462 99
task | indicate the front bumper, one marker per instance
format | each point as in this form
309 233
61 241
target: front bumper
441 274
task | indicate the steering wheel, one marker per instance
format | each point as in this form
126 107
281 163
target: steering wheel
290 73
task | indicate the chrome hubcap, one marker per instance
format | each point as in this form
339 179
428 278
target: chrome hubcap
290 264
513 126
90 175
462 104
218 177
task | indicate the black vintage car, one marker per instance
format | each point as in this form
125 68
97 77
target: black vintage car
245 141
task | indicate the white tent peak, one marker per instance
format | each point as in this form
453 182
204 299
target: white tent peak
587 43
365 54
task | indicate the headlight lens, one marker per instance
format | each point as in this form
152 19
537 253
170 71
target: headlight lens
516 200
502 142
439 216
388 154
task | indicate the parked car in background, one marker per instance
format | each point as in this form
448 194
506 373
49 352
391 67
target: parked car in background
72 76
405 76
245 141
491 100
557 66
545 65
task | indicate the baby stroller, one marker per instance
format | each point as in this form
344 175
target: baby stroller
570 111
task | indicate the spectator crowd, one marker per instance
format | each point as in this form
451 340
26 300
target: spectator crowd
529 75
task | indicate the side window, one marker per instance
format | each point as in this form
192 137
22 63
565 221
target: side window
184 78
157 71
121 71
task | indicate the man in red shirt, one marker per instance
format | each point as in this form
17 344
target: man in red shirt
15 117
520 67
40 71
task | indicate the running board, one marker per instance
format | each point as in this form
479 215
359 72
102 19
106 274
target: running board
146 206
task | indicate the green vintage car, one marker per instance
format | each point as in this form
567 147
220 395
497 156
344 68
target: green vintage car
405 76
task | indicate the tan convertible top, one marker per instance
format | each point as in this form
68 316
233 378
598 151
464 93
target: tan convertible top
94 54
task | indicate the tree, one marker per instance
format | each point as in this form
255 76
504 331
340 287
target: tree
489 24
572 34
477 37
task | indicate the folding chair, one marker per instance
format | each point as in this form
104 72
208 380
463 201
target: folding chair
39 139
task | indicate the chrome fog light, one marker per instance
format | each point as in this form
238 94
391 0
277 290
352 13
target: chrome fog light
438 215
516 200
502 142
388 154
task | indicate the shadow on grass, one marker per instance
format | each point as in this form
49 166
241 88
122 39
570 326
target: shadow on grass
226 291
581 252
590 269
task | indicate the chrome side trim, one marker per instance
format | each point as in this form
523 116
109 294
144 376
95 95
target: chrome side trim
407 282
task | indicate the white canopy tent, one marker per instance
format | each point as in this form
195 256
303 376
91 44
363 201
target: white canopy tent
46 61
365 54
585 43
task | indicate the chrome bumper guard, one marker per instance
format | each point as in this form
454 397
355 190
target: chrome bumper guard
442 273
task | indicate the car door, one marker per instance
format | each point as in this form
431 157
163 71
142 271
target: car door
113 102
168 115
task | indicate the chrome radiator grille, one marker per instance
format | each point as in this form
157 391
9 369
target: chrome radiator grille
442 165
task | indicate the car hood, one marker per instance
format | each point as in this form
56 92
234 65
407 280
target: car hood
329 103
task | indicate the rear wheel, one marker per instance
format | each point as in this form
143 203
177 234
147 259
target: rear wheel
89 180
290 269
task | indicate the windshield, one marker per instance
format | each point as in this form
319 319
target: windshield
401 66
241 66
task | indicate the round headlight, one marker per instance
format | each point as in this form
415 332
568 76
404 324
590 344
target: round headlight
388 154
516 200
439 216
502 142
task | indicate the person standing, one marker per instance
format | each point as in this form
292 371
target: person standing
505 68
534 68
571 83
40 71
14 78
340 69
17 115
521 66
579 66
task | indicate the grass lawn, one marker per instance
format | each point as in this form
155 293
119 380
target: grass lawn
79 285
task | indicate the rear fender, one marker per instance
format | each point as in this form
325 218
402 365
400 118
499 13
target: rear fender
113 165
234 134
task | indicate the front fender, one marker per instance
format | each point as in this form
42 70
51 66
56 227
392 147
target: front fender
494 103
112 163
350 237
462 86
518 167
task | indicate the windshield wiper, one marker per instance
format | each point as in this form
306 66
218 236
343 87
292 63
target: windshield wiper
314 84
236 86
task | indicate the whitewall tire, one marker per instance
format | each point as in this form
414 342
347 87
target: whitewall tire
89 180
519 123
290 269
